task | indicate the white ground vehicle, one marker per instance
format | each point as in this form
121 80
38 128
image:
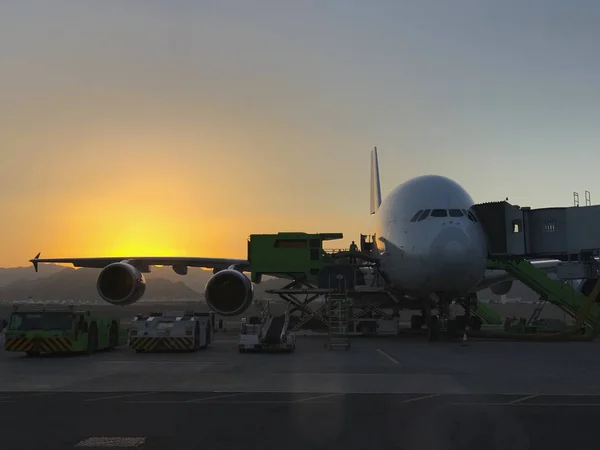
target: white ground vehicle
171 331
267 333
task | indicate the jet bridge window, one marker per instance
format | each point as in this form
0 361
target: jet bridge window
416 216
550 226
517 226
455 213
439 213
424 214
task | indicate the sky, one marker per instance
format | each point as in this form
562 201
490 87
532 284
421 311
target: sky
149 127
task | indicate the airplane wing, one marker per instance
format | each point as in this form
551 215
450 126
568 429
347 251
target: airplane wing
495 276
144 262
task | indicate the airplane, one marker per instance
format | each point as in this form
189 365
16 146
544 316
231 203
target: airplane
429 244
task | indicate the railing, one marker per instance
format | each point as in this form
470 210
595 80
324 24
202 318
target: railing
333 251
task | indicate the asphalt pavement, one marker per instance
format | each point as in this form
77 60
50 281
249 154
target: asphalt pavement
253 421
380 394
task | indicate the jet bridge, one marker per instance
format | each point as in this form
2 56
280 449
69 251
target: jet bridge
571 235
567 234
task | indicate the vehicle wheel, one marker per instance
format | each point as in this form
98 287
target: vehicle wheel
92 343
113 337
242 350
197 337
32 354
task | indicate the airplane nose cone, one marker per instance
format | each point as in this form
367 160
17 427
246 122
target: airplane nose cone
455 252
457 262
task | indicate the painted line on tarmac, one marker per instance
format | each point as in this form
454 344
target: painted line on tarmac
521 405
197 400
302 400
171 362
229 402
110 397
390 358
519 400
423 397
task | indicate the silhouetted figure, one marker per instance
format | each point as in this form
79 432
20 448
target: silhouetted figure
353 248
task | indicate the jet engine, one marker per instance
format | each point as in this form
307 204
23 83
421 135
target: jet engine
121 284
502 288
228 292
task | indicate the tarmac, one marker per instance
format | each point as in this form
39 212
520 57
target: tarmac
381 393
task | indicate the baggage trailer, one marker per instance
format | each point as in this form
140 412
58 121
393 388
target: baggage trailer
37 331
173 331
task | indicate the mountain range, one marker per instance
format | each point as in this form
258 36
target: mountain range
58 283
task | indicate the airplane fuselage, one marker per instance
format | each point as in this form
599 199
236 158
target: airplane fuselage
428 239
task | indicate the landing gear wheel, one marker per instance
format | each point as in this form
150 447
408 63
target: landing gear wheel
476 323
451 329
434 329
416 322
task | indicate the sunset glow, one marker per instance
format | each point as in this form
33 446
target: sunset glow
148 130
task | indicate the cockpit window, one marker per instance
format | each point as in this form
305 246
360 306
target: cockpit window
424 214
472 217
416 216
456 213
439 213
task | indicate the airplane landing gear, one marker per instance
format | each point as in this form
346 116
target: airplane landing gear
416 322
432 323
469 320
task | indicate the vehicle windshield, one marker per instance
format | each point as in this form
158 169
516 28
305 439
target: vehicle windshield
41 321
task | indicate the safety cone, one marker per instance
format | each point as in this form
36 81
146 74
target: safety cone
464 340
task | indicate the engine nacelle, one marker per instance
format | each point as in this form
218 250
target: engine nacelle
228 292
121 284
502 288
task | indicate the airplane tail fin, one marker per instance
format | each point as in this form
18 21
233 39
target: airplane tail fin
375 185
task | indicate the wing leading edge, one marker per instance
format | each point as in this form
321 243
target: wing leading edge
143 262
